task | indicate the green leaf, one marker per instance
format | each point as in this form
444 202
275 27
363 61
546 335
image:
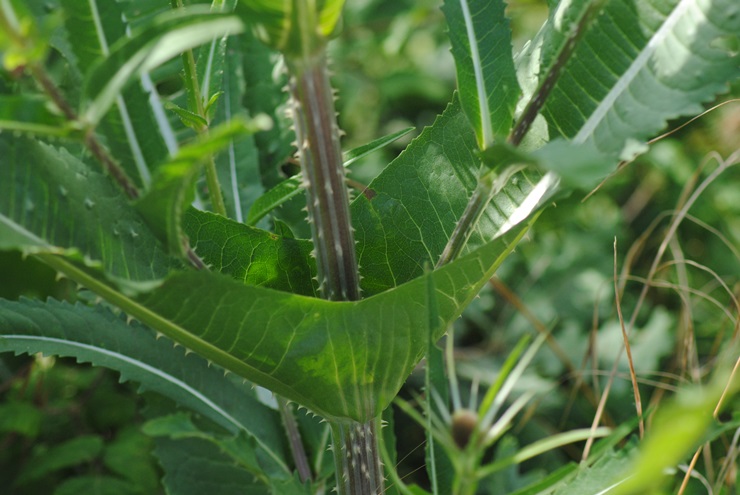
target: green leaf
132 132
79 450
481 44
95 335
166 36
418 198
52 202
342 360
178 426
679 427
266 96
238 165
21 418
640 65
290 188
31 114
599 478
439 466
173 190
190 119
129 456
256 257
194 467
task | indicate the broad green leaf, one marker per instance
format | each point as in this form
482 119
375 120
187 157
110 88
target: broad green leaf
131 133
173 187
52 202
605 473
255 256
129 455
239 449
194 467
342 360
166 36
95 335
180 425
481 44
290 188
417 200
20 418
32 115
640 65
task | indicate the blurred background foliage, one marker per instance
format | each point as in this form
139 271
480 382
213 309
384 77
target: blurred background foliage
66 427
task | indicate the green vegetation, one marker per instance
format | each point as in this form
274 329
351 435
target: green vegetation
260 305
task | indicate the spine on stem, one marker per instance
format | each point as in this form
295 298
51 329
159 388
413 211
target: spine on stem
317 136
356 452
359 470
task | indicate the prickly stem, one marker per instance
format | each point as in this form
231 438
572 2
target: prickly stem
362 471
326 191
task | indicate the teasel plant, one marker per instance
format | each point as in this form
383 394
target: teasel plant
300 30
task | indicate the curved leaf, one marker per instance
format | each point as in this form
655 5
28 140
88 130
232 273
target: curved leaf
97 336
50 202
341 359
641 64
165 37
418 198
130 130
255 256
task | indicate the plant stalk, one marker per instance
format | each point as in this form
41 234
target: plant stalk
356 448
356 455
327 198
195 102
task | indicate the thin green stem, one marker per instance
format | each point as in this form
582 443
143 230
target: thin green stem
196 105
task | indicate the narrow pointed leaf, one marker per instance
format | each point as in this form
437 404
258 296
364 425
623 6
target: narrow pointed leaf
96 336
173 188
481 44
52 202
131 133
238 164
162 39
